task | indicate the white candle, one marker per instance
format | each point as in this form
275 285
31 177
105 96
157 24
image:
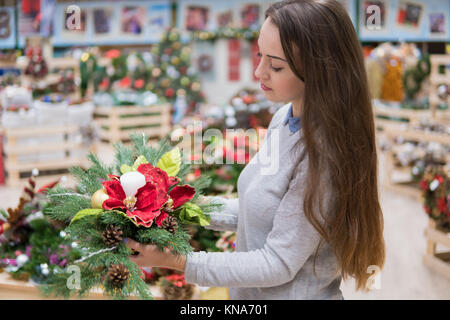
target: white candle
131 182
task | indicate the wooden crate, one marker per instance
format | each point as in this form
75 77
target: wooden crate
437 79
21 159
405 117
117 123
52 78
438 262
410 135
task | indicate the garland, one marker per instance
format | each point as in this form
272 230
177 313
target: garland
226 33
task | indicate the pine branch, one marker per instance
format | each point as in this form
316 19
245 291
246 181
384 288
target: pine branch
64 204
163 147
200 185
124 155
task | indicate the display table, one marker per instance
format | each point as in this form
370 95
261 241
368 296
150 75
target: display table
11 289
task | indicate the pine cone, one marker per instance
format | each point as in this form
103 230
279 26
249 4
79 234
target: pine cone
188 291
172 292
112 236
170 224
118 274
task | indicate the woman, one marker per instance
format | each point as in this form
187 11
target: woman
316 219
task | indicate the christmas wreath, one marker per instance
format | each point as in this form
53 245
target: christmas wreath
435 187
205 63
143 197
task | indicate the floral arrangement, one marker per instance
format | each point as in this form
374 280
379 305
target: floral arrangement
144 197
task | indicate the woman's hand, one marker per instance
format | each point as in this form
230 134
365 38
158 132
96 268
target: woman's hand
150 256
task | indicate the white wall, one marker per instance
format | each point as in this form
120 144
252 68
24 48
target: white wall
221 90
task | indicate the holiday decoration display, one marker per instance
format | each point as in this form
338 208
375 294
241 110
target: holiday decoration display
37 66
414 77
15 98
435 187
165 71
392 89
31 246
145 197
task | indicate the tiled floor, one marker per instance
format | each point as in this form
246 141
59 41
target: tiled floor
404 275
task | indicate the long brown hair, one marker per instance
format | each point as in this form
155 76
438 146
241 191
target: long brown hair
321 45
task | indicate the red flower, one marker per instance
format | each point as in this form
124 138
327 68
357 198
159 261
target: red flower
145 206
150 200
181 194
159 219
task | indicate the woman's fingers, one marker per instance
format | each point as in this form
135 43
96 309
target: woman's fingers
133 245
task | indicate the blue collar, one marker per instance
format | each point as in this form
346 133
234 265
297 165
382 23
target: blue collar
294 122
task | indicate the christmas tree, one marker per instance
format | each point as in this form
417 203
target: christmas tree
173 75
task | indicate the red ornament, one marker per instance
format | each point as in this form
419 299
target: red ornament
112 54
125 82
424 185
169 92
139 84
442 204
248 99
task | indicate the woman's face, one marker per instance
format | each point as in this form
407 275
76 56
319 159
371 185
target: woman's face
278 81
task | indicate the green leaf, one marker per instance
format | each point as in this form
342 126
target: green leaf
86 212
140 160
125 215
193 214
125 168
170 162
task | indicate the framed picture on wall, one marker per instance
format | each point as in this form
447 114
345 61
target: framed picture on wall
132 20
438 25
197 17
5 24
410 14
250 16
225 19
102 20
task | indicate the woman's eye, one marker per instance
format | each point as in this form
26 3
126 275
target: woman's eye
276 69
259 55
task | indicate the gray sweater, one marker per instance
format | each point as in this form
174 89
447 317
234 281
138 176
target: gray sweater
275 243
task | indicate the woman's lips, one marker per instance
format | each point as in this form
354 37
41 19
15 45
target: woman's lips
265 88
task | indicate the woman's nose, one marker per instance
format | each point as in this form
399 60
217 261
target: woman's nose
260 73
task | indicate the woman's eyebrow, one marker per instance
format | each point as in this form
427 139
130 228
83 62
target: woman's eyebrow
278 58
